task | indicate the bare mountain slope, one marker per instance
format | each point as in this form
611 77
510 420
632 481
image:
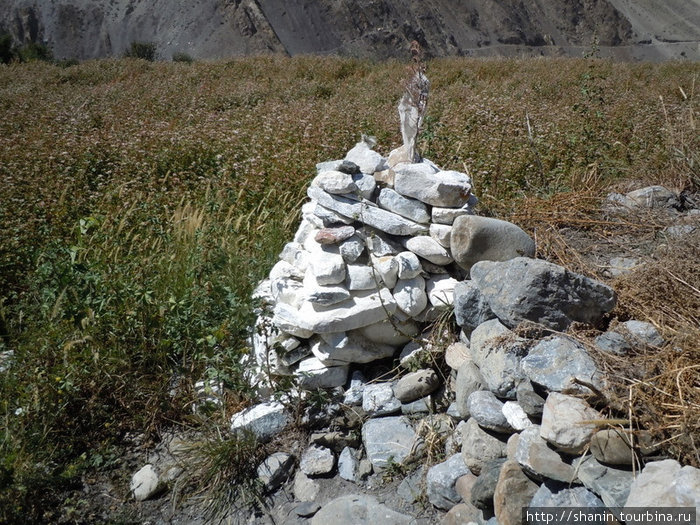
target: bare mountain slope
369 28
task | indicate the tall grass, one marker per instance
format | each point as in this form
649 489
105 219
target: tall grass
141 202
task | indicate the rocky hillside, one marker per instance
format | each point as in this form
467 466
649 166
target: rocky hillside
369 28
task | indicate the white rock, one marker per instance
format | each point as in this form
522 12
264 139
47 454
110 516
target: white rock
348 464
388 269
305 229
448 215
312 374
328 268
392 331
293 253
366 184
387 439
305 489
362 277
145 484
665 484
367 159
307 213
287 291
568 422
410 295
429 249
456 355
335 182
284 270
288 320
362 309
441 233
448 189
409 208
409 265
441 290
353 348
351 249
379 400
316 461
265 420
516 416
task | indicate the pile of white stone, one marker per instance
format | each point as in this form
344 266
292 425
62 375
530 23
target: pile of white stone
381 245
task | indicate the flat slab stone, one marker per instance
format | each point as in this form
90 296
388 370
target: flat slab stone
334 235
429 249
264 420
362 309
362 211
355 509
387 439
539 460
612 485
409 208
312 373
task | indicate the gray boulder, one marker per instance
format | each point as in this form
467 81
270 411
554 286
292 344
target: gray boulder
447 189
487 410
483 490
567 422
409 208
476 238
612 485
553 494
539 460
523 289
651 197
665 484
479 446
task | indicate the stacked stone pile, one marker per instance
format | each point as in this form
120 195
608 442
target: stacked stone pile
373 259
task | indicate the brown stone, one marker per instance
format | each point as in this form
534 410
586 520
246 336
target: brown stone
514 491
612 446
462 514
334 235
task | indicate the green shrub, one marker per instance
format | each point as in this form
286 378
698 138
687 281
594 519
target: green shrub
7 53
34 51
142 50
182 57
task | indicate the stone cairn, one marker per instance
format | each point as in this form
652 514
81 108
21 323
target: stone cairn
386 245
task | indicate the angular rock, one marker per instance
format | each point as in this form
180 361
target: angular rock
305 489
429 249
294 254
334 235
560 495
498 352
145 484
487 410
446 189
539 460
348 464
612 446
264 420
409 208
471 307
353 395
531 402
307 509
387 439
361 277
476 238
388 269
366 184
665 484
556 361
312 374
479 447
469 380
419 406
441 480
354 509
335 182
447 216
335 440
442 234
611 485
351 249
366 158
275 470
463 514
440 290
516 416
378 400
408 265
327 268
613 343
416 385
411 488
513 491
410 296
524 289
329 218
363 211
483 490
338 165
568 422
316 461
379 243
464 485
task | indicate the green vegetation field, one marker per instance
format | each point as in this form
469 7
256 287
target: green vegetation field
141 202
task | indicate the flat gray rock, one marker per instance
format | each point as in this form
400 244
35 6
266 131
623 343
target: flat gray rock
539 460
553 494
487 410
355 509
378 399
479 446
416 385
410 208
523 289
312 373
316 461
446 189
641 332
610 484
556 361
429 249
387 439
476 238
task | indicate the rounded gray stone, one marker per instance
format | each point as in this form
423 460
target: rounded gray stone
353 509
487 410
416 385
